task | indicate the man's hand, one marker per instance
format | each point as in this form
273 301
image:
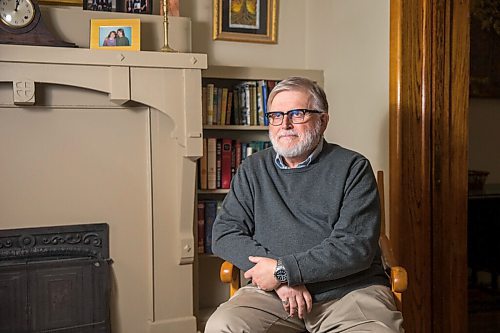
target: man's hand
262 274
296 300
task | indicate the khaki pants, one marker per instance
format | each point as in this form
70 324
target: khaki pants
252 310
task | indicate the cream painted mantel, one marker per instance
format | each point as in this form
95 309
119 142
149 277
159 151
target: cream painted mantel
107 136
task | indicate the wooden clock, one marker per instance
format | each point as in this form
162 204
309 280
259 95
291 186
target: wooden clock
21 23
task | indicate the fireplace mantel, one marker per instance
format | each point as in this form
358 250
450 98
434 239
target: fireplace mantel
121 74
109 136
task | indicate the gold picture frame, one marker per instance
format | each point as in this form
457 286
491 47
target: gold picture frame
127 34
253 21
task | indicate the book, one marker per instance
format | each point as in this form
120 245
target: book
229 108
233 158
236 113
210 215
253 105
237 150
223 109
217 107
211 163
260 105
264 94
201 226
245 102
210 104
226 156
218 159
204 105
203 179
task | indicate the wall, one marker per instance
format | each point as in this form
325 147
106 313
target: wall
349 40
484 136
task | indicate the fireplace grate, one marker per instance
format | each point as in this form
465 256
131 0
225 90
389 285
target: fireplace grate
55 279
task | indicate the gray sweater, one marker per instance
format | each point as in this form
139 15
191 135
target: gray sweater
322 220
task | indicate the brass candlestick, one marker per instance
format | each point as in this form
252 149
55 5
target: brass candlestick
166 47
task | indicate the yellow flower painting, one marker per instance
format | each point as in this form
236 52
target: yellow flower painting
253 21
244 14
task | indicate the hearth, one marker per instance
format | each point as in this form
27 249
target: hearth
55 279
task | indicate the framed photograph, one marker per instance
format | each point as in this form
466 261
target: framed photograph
100 5
115 34
252 21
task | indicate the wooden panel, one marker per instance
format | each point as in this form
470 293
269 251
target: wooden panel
409 159
450 60
428 160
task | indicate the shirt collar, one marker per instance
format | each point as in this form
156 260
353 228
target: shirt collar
280 163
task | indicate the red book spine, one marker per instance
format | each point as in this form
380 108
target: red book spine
226 163
237 150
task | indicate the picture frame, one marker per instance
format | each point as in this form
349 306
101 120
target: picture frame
101 34
484 81
61 2
100 5
253 21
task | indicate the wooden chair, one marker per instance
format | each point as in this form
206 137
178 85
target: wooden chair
398 276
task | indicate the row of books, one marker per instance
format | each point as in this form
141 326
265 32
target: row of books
221 158
207 211
242 104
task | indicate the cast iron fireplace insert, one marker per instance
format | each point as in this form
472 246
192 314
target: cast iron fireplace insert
55 279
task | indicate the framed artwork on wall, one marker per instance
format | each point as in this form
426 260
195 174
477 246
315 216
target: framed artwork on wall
115 34
252 21
485 49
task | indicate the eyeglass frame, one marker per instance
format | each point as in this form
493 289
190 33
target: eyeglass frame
283 114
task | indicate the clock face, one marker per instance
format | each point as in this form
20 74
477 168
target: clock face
17 13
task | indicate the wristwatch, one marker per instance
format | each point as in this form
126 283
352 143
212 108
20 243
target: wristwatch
280 272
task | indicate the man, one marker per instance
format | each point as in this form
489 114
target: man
303 220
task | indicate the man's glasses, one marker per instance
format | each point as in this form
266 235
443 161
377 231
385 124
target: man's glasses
296 116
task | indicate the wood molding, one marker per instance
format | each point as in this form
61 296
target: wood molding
428 96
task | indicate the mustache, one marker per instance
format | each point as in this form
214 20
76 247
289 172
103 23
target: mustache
286 133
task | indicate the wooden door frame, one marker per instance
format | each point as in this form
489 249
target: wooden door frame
428 97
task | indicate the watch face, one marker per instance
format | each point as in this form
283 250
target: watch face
16 13
281 275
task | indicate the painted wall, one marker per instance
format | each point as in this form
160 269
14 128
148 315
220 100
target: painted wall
484 120
349 40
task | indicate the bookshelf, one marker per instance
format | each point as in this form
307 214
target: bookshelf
209 292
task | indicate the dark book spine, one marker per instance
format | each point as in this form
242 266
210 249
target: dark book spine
210 215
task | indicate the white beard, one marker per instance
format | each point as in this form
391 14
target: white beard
306 144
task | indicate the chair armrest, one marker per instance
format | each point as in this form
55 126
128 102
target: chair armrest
399 279
230 274
398 274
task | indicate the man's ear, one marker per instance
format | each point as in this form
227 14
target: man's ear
325 117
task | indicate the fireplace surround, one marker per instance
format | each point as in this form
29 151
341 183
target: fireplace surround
93 135
55 279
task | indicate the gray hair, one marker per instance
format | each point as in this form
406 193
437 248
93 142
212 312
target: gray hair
317 97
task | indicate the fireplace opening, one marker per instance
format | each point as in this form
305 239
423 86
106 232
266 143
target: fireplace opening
55 279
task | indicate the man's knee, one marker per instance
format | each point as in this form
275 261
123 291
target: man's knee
226 320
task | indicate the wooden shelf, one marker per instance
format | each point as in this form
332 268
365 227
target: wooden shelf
219 191
254 73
